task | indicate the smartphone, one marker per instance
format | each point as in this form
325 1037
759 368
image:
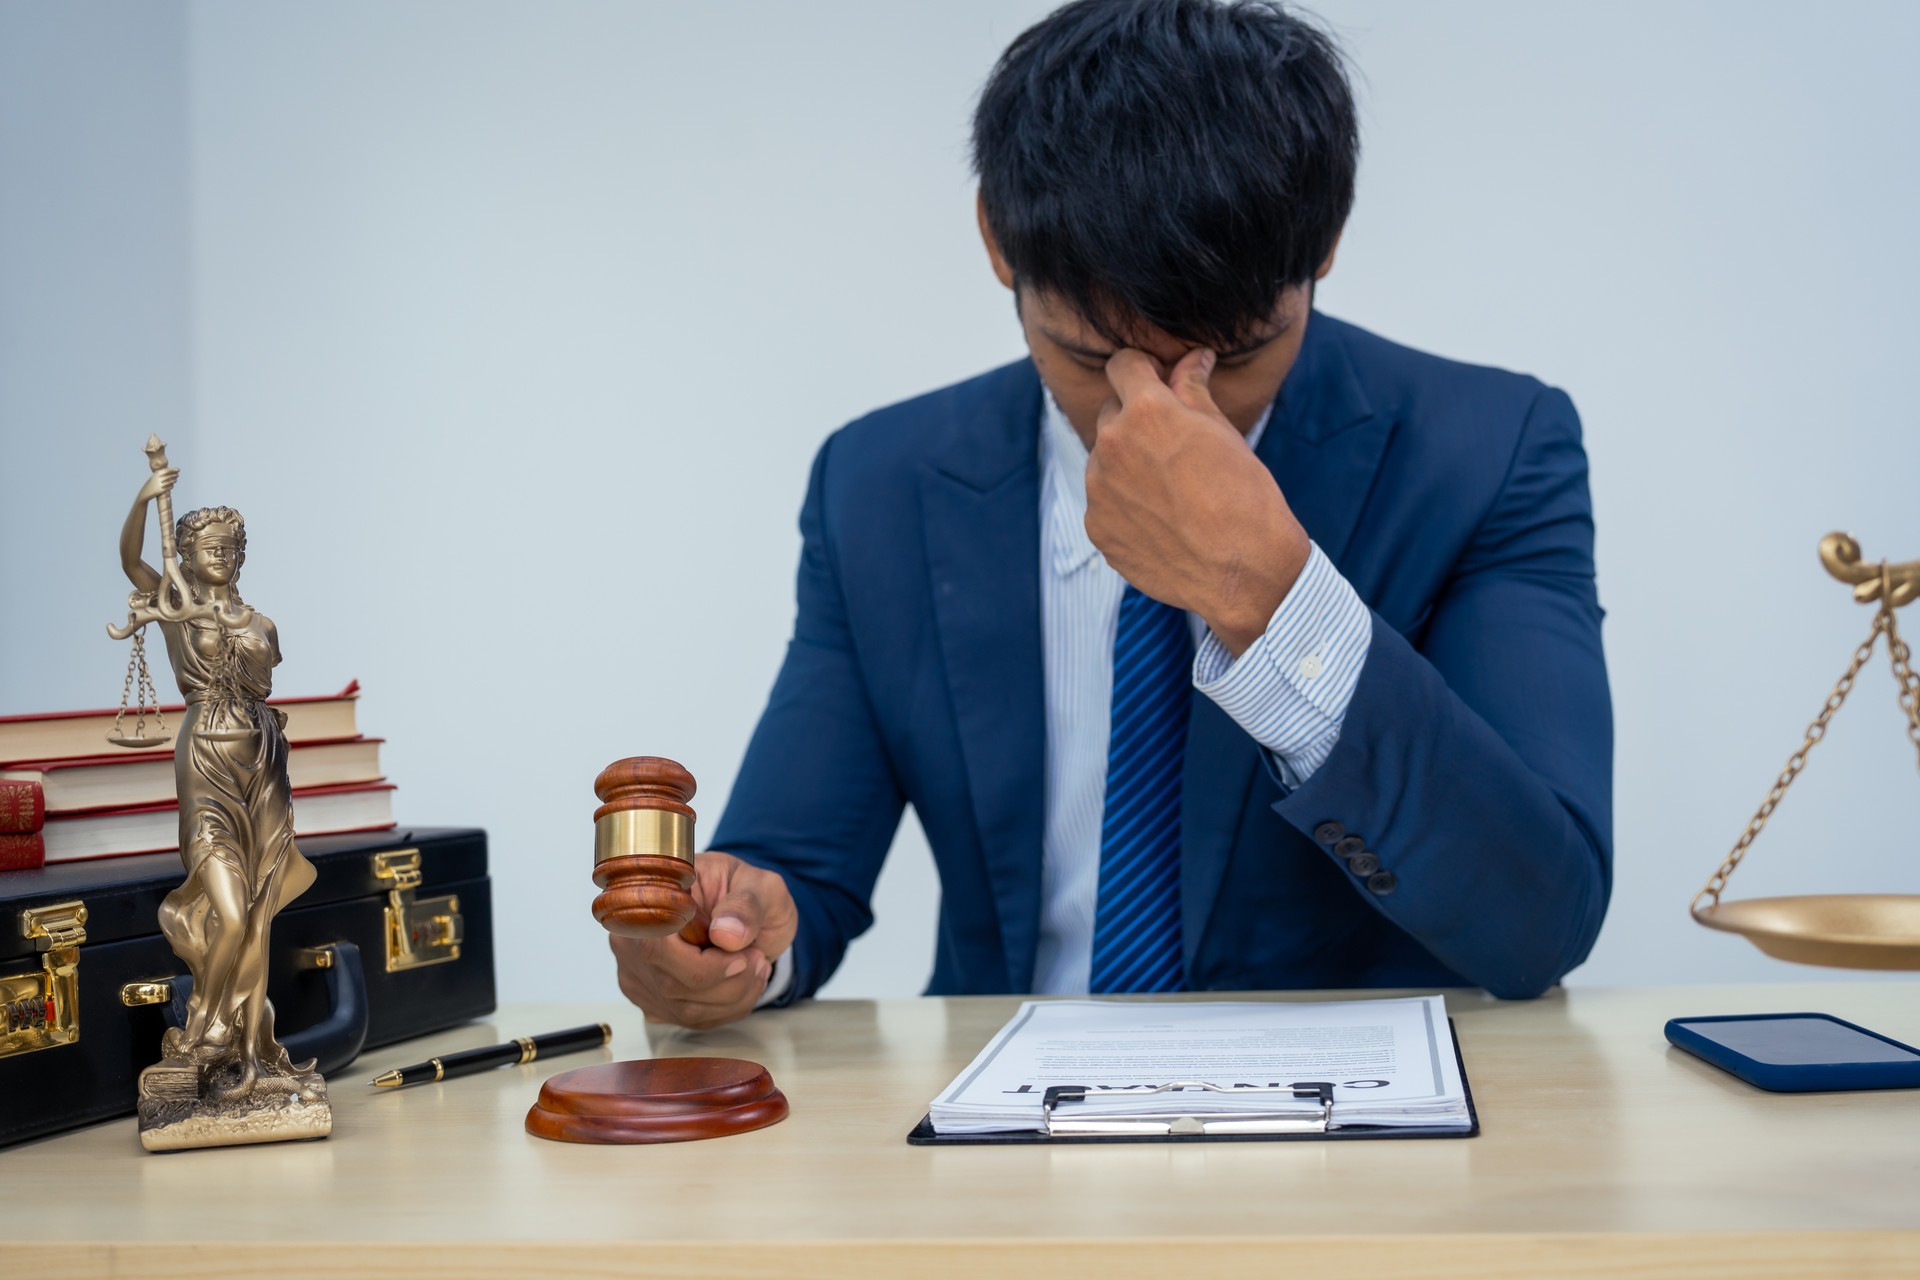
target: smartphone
1798 1052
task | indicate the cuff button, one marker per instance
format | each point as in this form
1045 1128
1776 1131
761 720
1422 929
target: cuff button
1365 864
1382 883
1329 832
1350 846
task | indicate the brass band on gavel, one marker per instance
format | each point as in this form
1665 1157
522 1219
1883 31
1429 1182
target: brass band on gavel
629 832
643 849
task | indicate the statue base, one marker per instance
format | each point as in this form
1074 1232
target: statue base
180 1109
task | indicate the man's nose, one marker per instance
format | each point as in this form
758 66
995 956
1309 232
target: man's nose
1163 363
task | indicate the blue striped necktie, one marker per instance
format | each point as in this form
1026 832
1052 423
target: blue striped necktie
1136 924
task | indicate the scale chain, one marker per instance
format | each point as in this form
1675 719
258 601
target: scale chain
149 697
143 697
1882 621
126 688
1909 683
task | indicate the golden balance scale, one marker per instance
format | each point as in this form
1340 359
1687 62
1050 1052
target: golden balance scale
1844 930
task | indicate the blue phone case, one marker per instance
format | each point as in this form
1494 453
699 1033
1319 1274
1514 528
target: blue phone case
1798 1052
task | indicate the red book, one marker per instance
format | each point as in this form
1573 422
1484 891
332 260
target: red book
68 735
132 778
23 805
22 852
155 828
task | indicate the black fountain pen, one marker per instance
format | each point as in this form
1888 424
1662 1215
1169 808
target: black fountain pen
525 1049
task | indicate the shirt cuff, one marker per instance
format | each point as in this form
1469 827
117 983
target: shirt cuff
1291 688
778 981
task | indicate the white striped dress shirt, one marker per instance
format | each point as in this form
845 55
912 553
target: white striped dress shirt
1289 691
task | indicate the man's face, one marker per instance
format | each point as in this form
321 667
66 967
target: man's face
1072 358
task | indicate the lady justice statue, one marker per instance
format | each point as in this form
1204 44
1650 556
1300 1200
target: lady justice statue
222 1079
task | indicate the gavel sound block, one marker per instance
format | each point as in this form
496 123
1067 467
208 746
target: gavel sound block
643 863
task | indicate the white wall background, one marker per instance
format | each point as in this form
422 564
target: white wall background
512 328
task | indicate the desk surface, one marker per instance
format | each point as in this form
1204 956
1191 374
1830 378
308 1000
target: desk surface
1602 1149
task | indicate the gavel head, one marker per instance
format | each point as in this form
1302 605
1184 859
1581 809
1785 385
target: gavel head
643 849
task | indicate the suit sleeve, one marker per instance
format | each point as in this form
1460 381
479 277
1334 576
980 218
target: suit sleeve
1478 768
816 799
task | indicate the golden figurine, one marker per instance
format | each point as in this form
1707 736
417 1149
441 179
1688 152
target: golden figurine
222 1079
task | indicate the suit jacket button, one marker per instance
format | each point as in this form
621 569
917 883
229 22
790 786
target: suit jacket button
1350 846
1364 864
1329 832
1382 883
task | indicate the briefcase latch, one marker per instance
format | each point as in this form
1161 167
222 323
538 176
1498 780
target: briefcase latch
42 1010
420 931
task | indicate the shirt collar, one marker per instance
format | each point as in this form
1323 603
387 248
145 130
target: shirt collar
1063 461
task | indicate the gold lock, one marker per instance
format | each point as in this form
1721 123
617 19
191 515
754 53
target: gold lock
42 1010
420 931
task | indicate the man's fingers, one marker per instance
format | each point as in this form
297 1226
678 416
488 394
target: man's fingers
702 1014
1135 374
753 962
1132 373
665 975
1189 380
736 919
675 965
739 901
676 980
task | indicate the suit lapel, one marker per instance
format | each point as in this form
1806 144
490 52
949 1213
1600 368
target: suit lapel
981 507
1324 444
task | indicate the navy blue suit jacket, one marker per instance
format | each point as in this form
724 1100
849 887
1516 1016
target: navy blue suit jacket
1476 756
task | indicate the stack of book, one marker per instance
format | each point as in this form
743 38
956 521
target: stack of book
67 794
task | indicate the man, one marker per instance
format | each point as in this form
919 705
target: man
1221 645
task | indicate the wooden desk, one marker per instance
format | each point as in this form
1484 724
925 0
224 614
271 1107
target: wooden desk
1603 1151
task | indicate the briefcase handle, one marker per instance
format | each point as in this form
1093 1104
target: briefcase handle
334 1041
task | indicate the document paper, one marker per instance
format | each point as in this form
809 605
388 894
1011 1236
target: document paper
1391 1062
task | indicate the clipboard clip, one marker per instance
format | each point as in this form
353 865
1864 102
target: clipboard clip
1176 1123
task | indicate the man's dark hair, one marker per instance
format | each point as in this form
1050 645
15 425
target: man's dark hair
1177 160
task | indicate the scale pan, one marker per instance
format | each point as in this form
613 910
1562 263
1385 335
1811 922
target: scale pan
141 744
1842 930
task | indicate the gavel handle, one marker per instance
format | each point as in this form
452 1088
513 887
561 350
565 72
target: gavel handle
696 930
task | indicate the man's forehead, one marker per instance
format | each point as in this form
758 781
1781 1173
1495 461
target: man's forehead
1083 339
1073 331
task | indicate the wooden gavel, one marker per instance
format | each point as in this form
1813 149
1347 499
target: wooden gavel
643 850
643 863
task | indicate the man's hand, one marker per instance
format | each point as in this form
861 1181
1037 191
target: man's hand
1179 505
751 921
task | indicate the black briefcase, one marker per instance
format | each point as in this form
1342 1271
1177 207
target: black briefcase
394 939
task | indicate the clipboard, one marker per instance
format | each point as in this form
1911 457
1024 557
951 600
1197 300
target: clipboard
1168 1127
